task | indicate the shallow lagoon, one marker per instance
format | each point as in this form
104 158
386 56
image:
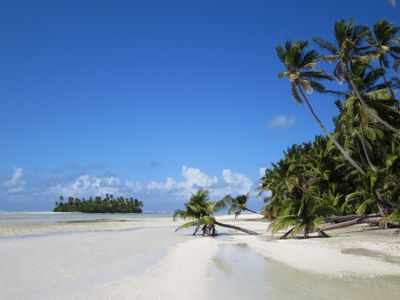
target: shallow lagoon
54 217
238 272
93 256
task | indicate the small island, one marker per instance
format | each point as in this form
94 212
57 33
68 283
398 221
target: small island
108 204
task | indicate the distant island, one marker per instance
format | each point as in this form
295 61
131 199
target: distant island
109 204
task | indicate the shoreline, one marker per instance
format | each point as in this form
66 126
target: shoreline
357 250
146 258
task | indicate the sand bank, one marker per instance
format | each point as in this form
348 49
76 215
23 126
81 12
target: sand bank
183 274
357 250
146 259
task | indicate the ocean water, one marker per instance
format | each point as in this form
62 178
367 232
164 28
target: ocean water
238 273
62 217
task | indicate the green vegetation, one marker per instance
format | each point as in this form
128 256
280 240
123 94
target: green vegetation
109 204
356 168
200 210
352 174
237 204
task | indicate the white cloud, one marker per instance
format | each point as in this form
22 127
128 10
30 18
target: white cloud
171 188
166 186
281 121
166 193
261 171
86 185
236 183
194 179
15 184
133 185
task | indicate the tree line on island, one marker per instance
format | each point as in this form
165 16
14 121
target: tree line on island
108 204
352 174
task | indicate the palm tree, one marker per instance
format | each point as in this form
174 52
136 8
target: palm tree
305 214
201 210
302 194
363 131
383 41
300 65
353 120
392 181
350 49
237 204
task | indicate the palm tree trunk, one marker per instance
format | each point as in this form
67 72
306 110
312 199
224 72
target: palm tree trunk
205 230
385 208
235 227
197 228
345 154
323 233
381 203
356 142
364 146
213 230
360 220
286 234
366 107
385 80
340 219
305 235
254 212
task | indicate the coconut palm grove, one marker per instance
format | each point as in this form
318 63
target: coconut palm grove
98 204
347 176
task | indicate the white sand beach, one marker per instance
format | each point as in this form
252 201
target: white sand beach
146 259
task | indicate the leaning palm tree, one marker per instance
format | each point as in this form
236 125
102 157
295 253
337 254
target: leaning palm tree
353 120
384 42
362 130
200 209
300 65
350 49
237 204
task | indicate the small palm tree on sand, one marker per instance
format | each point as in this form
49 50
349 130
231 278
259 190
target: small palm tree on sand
200 209
237 204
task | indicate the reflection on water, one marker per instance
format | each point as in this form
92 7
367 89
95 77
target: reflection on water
222 265
240 273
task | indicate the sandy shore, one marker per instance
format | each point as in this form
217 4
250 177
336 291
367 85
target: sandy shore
146 259
356 250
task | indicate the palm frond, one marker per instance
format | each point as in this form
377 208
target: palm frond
188 224
326 45
295 94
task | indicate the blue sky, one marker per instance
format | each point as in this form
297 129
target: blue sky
152 99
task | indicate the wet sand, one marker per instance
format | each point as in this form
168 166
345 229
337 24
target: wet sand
146 259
